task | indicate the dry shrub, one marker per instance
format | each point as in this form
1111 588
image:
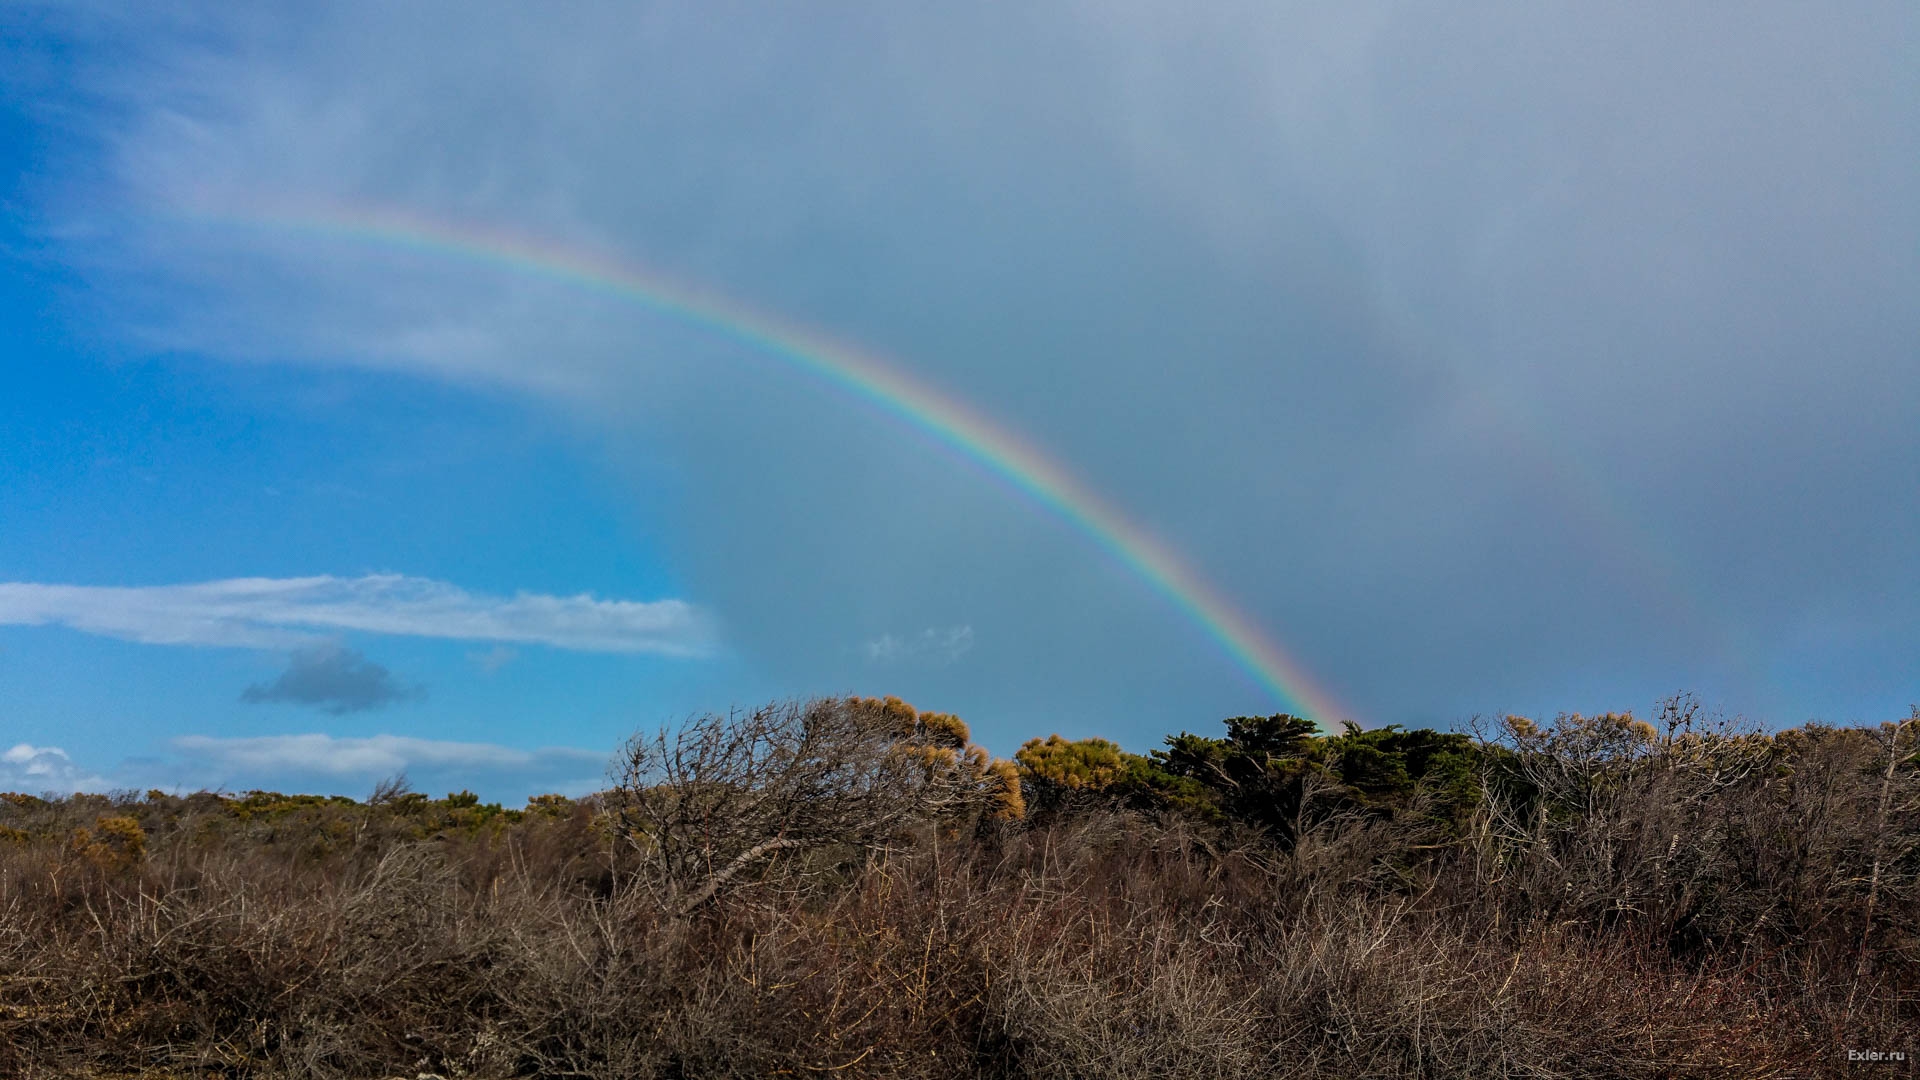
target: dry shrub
721 800
1563 933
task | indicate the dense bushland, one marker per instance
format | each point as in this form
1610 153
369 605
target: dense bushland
851 887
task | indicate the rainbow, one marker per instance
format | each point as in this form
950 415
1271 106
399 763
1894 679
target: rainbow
866 378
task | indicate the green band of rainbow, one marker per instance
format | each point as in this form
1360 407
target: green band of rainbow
867 378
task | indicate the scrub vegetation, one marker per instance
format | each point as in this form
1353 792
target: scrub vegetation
851 887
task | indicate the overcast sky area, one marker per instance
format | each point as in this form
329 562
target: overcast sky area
1505 358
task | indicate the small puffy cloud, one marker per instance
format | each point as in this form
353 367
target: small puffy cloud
492 660
298 612
336 679
36 769
942 646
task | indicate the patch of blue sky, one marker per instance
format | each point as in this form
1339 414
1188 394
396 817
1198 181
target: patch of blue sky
120 471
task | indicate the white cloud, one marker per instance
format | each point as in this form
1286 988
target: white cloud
315 762
36 769
297 612
942 645
376 755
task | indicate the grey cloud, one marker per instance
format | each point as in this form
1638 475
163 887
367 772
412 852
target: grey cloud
335 679
1490 358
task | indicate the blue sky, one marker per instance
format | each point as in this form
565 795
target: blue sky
1498 361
